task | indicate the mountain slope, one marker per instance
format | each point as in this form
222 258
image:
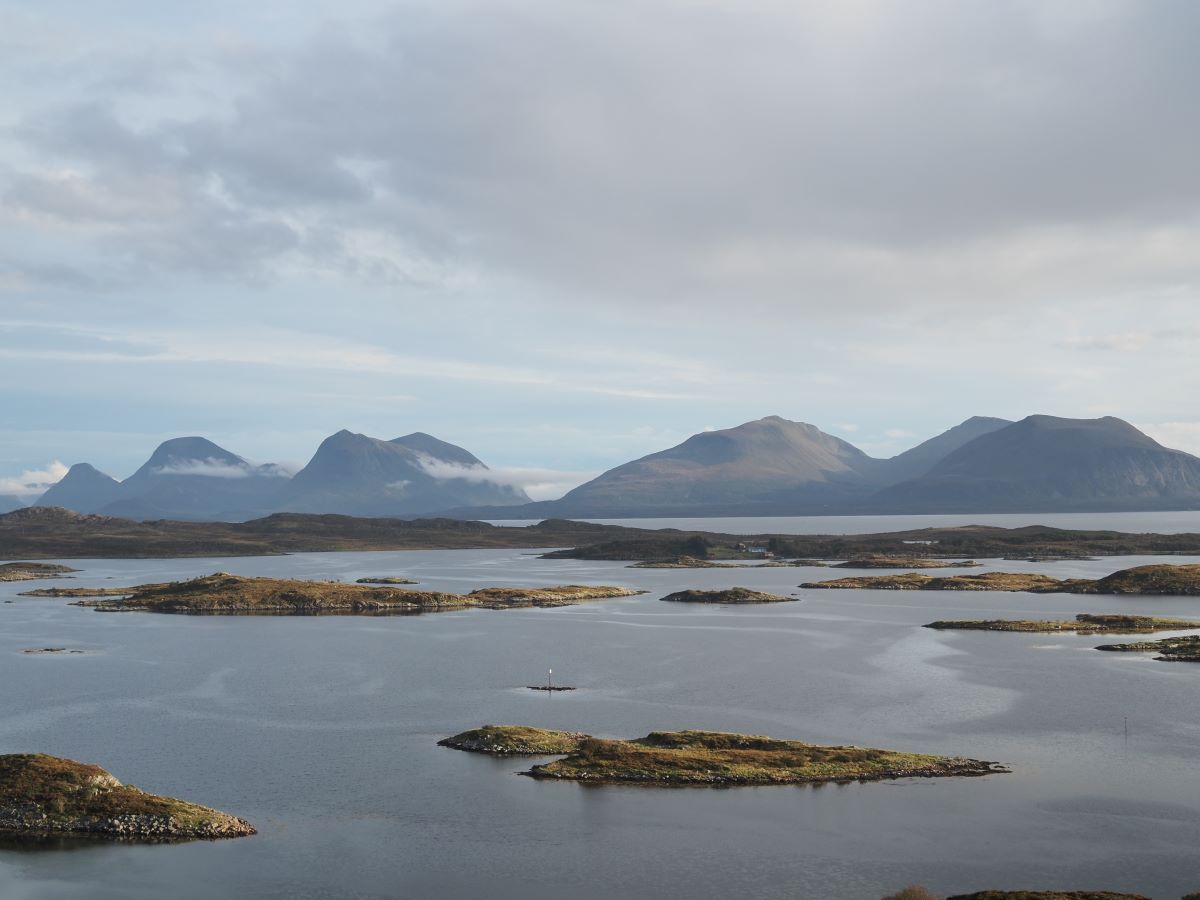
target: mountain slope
9 502
416 474
767 466
193 478
84 489
920 459
1045 463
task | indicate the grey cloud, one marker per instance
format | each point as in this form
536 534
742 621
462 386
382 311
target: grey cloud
786 152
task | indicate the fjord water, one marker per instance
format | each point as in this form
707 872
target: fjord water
322 731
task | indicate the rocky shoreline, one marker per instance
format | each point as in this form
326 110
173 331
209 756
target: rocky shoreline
225 594
707 758
42 794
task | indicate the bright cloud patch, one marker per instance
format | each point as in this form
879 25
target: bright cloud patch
539 484
212 468
32 482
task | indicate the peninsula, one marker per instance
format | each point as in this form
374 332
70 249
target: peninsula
42 794
222 593
1158 580
707 758
1172 649
30 571
1085 623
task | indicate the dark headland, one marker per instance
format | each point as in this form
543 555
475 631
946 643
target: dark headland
49 533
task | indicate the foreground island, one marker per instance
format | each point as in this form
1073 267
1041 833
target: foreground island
1156 580
42 795
706 758
222 593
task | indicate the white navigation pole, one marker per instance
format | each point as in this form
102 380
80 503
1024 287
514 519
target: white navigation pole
549 672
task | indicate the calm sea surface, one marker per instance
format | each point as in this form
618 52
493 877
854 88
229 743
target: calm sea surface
322 732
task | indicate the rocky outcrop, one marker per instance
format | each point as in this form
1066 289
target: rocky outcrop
222 593
727 595
42 794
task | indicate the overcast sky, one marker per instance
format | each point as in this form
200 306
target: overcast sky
565 233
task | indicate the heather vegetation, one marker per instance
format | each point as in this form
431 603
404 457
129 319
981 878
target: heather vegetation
708 758
47 794
222 593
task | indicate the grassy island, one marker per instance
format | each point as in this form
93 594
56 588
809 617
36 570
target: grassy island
46 795
28 571
1172 649
517 740
1084 623
904 562
87 591
1153 580
386 579
709 758
727 595
223 593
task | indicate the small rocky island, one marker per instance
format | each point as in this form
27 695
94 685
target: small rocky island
727 595
386 579
681 562
1084 623
87 591
1172 649
706 758
222 593
904 562
1153 580
29 571
42 794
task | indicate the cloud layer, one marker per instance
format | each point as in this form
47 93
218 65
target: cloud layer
565 236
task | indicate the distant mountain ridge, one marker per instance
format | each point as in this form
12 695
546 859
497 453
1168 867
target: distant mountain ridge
192 478
1045 462
770 466
358 475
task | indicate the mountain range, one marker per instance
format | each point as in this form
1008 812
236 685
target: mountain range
771 466
192 478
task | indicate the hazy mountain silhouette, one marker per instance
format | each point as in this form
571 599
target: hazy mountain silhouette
84 489
923 457
193 478
9 502
411 475
1045 463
